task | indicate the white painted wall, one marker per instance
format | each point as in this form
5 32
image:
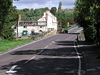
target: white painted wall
50 22
36 29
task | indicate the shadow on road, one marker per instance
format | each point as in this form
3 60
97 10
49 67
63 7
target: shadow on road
65 43
47 66
64 51
57 66
50 52
25 52
90 63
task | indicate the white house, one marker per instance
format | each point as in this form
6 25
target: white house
48 22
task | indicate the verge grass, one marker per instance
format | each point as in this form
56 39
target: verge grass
6 44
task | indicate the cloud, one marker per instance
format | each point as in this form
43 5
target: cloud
68 2
31 2
21 4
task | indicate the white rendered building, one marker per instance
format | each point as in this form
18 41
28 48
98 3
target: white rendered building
48 22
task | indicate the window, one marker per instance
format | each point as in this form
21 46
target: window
15 27
25 26
40 26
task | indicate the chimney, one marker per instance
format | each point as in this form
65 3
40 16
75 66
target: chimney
19 18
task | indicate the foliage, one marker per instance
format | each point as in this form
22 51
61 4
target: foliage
4 8
86 15
8 18
64 16
11 19
53 10
60 6
90 32
8 44
31 14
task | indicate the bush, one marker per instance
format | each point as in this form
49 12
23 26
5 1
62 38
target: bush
90 33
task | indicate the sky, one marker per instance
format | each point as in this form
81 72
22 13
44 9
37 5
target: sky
34 4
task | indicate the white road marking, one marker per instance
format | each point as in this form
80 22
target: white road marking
39 52
25 45
87 45
11 71
30 59
46 46
79 67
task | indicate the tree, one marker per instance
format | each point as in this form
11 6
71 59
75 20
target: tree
4 10
60 6
10 21
7 19
86 15
95 11
53 10
31 14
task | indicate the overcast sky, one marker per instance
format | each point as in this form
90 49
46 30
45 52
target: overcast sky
21 4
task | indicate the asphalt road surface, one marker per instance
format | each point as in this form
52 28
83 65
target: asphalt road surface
55 55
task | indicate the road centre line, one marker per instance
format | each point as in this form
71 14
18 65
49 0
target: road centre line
39 52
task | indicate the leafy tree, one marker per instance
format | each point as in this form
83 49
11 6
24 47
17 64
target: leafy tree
10 21
53 10
64 16
95 18
7 19
30 14
60 6
5 6
25 10
85 16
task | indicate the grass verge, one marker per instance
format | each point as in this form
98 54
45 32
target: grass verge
6 44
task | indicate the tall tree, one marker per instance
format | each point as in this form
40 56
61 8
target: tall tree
7 19
10 21
60 6
53 10
95 11
86 15
4 10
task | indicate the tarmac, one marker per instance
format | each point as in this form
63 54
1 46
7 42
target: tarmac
91 58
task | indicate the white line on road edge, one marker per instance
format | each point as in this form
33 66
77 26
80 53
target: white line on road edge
11 71
25 45
79 67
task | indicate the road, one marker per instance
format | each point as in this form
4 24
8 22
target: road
55 55
75 30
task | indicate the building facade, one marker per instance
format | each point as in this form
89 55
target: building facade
48 22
